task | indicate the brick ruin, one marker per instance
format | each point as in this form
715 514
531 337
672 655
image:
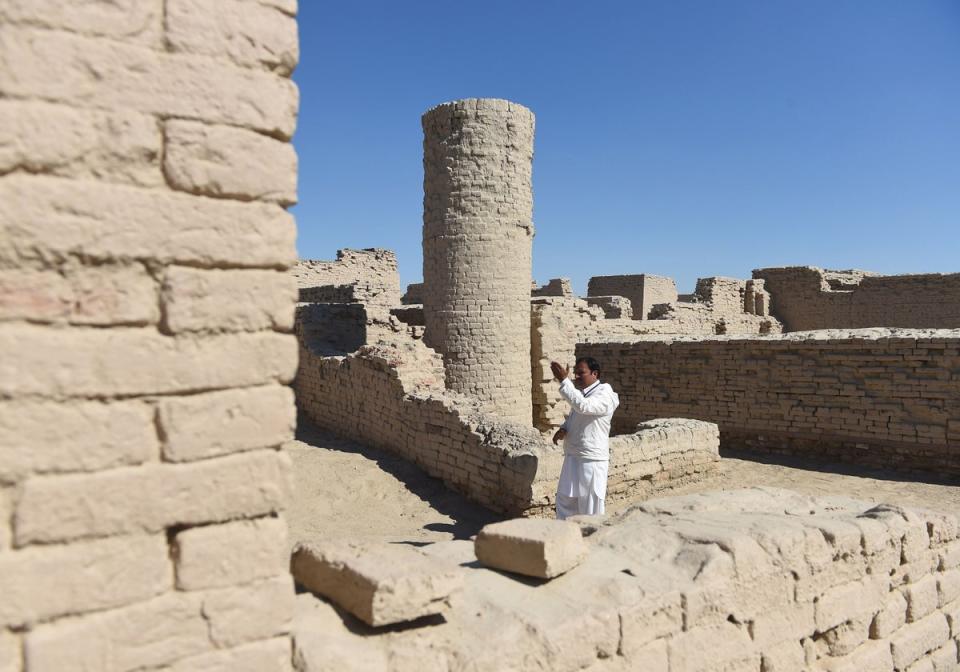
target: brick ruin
152 303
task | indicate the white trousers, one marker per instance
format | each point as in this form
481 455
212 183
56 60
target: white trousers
582 487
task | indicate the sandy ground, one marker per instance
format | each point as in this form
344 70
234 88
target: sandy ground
344 489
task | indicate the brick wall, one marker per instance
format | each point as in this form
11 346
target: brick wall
880 397
644 291
807 298
361 276
145 317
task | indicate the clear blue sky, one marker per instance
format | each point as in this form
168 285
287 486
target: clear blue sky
678 138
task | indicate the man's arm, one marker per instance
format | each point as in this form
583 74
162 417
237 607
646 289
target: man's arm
599 403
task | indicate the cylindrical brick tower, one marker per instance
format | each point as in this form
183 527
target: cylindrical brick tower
477 247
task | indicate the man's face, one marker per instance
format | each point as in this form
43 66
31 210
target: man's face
583 377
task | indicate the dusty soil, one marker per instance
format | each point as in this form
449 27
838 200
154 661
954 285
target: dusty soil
345 489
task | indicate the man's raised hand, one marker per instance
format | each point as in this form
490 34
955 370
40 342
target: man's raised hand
560 372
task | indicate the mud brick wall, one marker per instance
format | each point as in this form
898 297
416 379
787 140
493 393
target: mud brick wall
477 248
644 291
357 276
807 298
145 319
876 397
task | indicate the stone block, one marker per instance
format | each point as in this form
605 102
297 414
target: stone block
787 656
949 556
872 656
648 619
916 639
249 613
925 664
922 598
379 584
50 218
271 654
133 21
47 437
945 658
541 548
948 586
848 602
146 635
227 162
10 652
651 657
227 300
891 616
152 497
216 556
95 362
714 647
793 622
88 72
218 423
113 146
44 582
249 34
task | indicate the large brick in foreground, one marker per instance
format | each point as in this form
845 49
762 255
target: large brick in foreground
534 547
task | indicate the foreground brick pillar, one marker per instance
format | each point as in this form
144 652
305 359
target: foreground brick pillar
145 325
477 246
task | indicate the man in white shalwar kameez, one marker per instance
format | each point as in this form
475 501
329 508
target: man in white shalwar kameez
586 439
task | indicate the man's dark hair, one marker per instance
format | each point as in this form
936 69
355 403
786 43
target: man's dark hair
591 363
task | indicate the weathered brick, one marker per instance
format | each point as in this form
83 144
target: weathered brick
144 635
711 648
114 146
44 582
787 656
217 423
215 556
112 295
891 616
944 659
847 602
49 217
151 497
47 437
247 33
232 621
793 622
915 639
949 556
648 619
535 547
948 586
135 21
227 300
87 72
872 656
651 657
922 598
10 654
271 654
60 362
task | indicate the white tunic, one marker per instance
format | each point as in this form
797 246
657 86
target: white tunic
588 425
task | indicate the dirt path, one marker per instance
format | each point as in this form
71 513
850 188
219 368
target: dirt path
344 489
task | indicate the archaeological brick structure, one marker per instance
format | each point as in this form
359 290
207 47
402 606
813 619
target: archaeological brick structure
477 246
881 397
145 320
806 298
643 290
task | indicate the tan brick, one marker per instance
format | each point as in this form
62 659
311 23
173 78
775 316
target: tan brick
272 654
285 6
247 33
847 602
11 656
922 598
49 217
116 294
6 518
215 556
713 647
949 556
945 658
925 664
144 635
380 584
47 437
87 72
75 362
793 622
535 547
220 300
114 146
234 620
44 582
651 657
872 656
648 619
891 616
916 639
135 21
952 613
217 423
152 497
948 586
787 656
